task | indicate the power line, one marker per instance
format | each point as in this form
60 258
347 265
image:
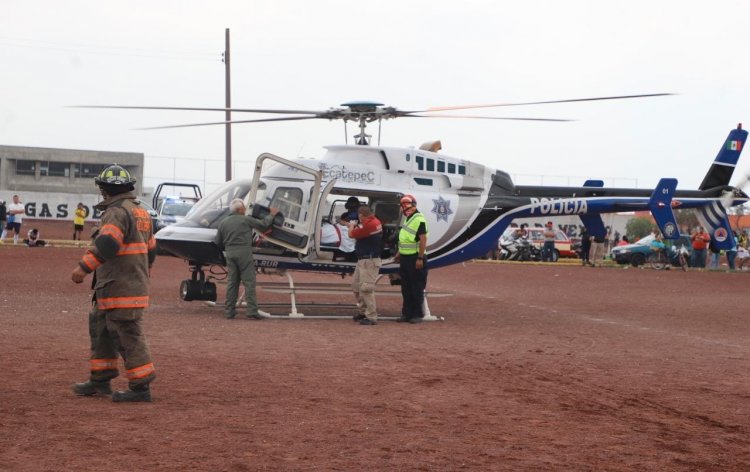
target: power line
108 50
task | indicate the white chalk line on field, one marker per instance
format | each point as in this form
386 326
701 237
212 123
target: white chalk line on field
635 326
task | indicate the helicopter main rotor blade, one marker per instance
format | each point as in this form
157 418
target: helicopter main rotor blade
289 118
239 110
488 117
573 100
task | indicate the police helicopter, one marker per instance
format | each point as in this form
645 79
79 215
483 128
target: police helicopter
467 205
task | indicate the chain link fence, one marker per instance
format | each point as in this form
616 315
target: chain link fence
209 174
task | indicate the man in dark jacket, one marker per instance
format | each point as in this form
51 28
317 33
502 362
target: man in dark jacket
120 258
235 238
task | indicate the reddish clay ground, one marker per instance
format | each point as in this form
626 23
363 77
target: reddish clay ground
534 368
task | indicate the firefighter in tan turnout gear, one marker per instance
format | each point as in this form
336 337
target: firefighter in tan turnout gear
120 258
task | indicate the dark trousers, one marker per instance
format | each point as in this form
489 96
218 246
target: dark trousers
413 283
698 258
547 249
120 332
585 249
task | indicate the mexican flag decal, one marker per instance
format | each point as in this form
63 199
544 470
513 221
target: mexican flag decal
734 145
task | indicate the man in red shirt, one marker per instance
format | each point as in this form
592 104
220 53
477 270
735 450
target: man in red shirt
700 241
368 235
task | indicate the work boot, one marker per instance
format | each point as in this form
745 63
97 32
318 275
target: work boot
89 388
142 395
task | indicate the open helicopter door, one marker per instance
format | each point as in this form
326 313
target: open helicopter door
321 213
296 191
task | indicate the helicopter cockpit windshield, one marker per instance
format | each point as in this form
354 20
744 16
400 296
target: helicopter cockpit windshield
210 210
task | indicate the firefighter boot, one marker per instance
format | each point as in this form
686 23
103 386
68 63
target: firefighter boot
90 387
142 394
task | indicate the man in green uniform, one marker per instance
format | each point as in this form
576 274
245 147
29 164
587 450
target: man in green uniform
120 258
235 238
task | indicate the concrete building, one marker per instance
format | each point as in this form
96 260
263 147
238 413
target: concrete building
51 182
32 169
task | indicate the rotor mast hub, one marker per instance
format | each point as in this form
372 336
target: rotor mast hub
363 113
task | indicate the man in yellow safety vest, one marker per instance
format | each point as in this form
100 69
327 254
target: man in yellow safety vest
412 243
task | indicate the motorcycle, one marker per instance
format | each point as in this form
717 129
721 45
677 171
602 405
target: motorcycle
680 256
518 249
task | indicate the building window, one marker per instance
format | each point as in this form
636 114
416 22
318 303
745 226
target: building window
441 166
25 167
462 170
59 169
89 170
431 165
420 162
451 168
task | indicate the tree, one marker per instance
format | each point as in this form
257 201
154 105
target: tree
639 227
686 219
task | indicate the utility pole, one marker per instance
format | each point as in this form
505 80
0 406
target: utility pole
228 105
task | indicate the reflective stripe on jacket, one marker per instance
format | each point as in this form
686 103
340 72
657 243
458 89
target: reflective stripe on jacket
408 244
122 254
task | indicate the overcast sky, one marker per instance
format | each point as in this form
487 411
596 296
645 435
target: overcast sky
408 54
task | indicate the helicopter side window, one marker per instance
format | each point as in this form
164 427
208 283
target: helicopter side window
451 168
289 202
420 162
209 211
462 170
431 165
441 166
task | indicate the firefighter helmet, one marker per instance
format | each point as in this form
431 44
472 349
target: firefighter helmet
115 180
114 175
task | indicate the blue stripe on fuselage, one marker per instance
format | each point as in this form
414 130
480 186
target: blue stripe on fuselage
486 240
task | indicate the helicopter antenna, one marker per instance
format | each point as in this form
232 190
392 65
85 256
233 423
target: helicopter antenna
346 135
380 124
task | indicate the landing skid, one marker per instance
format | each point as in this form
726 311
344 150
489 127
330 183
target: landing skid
323 289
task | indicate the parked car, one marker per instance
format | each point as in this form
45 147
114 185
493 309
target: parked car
563 246
636 253
173 209
155 224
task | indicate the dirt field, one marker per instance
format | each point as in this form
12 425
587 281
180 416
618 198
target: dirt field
534 368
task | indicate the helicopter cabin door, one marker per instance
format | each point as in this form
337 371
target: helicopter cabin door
296 191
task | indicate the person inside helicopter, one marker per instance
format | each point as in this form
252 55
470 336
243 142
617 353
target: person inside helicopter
345 251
